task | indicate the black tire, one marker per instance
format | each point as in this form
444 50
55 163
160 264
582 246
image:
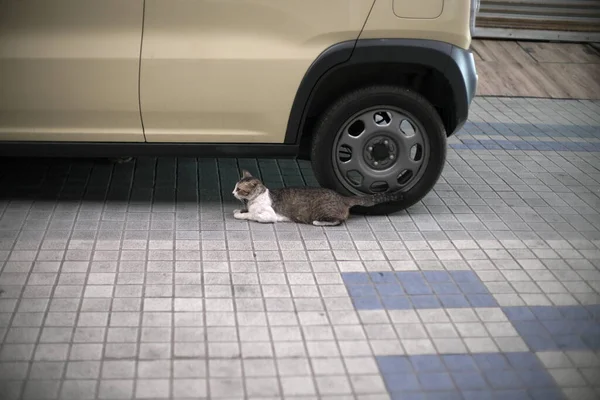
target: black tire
344 108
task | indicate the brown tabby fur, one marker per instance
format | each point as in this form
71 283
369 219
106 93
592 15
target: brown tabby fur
307 205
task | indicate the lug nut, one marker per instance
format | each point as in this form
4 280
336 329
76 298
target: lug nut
370 148
391 156
375 163
385 142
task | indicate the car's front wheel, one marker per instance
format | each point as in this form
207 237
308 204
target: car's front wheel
380 139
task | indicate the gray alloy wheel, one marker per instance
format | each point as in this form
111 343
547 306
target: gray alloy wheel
380 149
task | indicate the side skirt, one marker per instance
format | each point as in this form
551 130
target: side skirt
103 149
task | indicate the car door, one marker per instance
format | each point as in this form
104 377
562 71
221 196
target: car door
69 70
228 70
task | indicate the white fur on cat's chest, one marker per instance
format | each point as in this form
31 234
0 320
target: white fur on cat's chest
261 209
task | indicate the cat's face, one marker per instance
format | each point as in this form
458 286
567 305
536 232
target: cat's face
247 187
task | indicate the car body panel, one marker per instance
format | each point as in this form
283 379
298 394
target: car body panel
228 70
455 64
451 26
69 70
198 72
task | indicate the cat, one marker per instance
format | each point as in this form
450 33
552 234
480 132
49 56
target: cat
307 205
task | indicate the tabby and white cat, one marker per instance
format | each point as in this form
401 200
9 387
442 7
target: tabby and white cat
307 205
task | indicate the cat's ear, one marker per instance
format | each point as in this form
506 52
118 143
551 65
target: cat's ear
246 174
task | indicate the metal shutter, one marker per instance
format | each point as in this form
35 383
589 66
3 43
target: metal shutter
569 20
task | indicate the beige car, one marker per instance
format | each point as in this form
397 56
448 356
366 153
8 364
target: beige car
368 89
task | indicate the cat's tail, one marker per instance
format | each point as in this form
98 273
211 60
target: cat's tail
374 199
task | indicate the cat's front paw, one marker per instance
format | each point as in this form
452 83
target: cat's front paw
239 214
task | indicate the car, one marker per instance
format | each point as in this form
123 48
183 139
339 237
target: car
368 90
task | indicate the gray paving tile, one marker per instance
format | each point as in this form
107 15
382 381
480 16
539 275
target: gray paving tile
135 274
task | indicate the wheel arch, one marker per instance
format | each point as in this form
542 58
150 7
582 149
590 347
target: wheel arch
442 73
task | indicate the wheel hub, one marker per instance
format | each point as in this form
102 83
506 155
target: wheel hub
381 152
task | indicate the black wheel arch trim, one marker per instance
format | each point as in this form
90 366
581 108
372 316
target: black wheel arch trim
457 65
331 57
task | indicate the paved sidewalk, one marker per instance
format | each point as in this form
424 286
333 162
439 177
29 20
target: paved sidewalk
133 280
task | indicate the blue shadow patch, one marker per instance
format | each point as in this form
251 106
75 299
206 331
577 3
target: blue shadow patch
543 328
468 376
546 328
490 144
416 289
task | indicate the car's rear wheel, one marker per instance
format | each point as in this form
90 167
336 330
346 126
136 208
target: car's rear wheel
380 139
